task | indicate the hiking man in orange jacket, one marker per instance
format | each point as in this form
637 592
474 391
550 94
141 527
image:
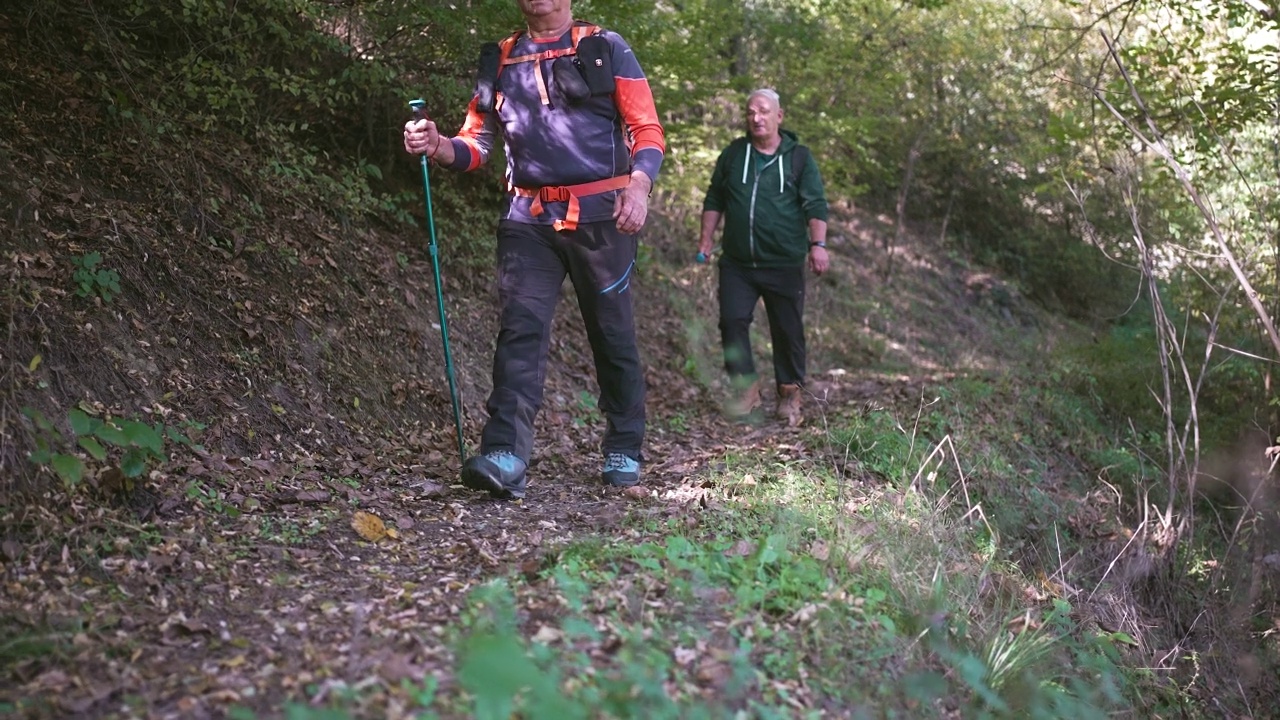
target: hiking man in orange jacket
584 147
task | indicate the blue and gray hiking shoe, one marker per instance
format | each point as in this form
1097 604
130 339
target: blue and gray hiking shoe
620 470
499 473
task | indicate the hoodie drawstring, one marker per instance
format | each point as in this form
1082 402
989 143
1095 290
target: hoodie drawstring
746 163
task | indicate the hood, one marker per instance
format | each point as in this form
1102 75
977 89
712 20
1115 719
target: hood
789 141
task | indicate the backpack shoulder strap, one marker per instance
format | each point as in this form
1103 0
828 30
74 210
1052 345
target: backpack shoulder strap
799 158
580 29
504 47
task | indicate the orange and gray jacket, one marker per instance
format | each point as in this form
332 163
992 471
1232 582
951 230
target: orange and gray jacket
567 155
767 202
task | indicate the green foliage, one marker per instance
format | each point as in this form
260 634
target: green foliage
130 445
774 571
504 674
880 444
1010 673
92 280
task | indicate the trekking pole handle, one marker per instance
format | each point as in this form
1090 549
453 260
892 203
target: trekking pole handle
419 108
700 258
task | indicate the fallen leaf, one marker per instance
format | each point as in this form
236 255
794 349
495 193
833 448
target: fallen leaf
368 526
710 671
819 550
11 550
312 496
547 635
192 627
804 614
1023 623
742 548
636 492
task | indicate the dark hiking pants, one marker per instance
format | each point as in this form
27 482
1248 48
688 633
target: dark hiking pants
533 261
783 292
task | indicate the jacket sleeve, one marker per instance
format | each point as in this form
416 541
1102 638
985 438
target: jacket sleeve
634 100
715 199
472 144
813 199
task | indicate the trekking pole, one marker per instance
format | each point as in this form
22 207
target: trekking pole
419 112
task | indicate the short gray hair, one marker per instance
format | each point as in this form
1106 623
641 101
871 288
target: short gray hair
769 93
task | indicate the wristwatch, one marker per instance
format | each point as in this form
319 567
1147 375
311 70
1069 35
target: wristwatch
822 245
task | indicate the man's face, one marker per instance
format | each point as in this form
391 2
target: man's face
764 117
542 8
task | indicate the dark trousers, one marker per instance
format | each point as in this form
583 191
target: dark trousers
783 292
533 261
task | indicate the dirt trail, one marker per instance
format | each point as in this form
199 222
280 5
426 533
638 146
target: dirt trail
270 593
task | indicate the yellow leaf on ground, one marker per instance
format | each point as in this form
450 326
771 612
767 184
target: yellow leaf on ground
368 526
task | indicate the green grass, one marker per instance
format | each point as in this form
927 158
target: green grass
909 568
803 589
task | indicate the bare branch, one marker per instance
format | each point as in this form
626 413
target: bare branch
1157 144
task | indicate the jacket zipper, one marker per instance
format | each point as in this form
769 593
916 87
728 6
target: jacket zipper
751 212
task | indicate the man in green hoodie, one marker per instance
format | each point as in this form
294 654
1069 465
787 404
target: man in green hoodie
767 188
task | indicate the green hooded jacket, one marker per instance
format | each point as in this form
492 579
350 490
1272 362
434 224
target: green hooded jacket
766 210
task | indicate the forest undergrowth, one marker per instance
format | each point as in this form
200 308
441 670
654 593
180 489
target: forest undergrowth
230 470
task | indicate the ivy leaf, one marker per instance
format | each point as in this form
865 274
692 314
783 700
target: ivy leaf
69 468
93 447
38 418
81 423
134 463
143 436
111 435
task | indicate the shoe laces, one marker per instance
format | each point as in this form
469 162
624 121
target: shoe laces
504 459
618 461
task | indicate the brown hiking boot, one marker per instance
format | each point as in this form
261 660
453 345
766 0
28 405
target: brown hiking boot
789 397
745 402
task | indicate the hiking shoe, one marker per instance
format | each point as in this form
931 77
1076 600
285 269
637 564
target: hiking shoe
620 470
745 402
789 397
499 473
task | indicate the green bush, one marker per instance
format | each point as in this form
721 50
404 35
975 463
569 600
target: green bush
130 445
94 281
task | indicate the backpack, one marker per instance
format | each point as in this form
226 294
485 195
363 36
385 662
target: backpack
799 158
582 70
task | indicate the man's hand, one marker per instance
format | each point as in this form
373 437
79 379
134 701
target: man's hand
704 251
710 221
631 207
819 261
422 137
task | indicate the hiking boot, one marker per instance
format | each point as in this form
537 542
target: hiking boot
745 402
789 397
620 470
499 473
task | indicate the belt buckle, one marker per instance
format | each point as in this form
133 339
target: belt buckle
554 194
